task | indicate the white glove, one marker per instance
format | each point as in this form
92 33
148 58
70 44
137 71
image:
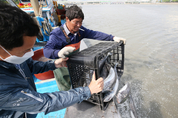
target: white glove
118 39
65 51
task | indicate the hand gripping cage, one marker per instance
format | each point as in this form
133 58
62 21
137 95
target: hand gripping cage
82 64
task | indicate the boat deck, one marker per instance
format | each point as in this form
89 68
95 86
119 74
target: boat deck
49 86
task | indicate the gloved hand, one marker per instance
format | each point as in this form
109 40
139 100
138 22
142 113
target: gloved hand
65 51
118 39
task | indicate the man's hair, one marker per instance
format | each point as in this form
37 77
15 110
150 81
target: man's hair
14 24
74 12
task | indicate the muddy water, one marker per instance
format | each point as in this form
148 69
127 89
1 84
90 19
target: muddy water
151 56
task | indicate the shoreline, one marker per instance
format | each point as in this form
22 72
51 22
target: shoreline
130 3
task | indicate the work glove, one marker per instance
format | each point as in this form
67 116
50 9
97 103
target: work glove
118 39
65 51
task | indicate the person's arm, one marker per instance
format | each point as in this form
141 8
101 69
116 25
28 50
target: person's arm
54 45
101 36
96 34
40 67
18 98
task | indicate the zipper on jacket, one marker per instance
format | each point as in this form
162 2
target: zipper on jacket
25 116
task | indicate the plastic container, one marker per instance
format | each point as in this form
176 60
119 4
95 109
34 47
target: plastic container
82 64
39 56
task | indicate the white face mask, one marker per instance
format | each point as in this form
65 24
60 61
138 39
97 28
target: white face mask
15 59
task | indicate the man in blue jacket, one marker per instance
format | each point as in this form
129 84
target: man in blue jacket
72 32
18 95
66 39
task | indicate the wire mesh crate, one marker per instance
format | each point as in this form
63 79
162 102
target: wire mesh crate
82 64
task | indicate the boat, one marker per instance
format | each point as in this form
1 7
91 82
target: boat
47 13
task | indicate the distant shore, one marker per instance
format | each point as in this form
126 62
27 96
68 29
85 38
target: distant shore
168 3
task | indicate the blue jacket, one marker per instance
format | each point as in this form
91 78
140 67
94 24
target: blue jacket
18 94
57 40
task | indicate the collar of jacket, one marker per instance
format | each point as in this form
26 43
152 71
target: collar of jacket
67 31
6 64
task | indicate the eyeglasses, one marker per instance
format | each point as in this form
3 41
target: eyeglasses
76 22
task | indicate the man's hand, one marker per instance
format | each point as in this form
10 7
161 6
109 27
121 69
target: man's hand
65 51
96 86
61 62
118 39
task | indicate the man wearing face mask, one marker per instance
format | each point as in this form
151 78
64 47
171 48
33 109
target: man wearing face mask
18 95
